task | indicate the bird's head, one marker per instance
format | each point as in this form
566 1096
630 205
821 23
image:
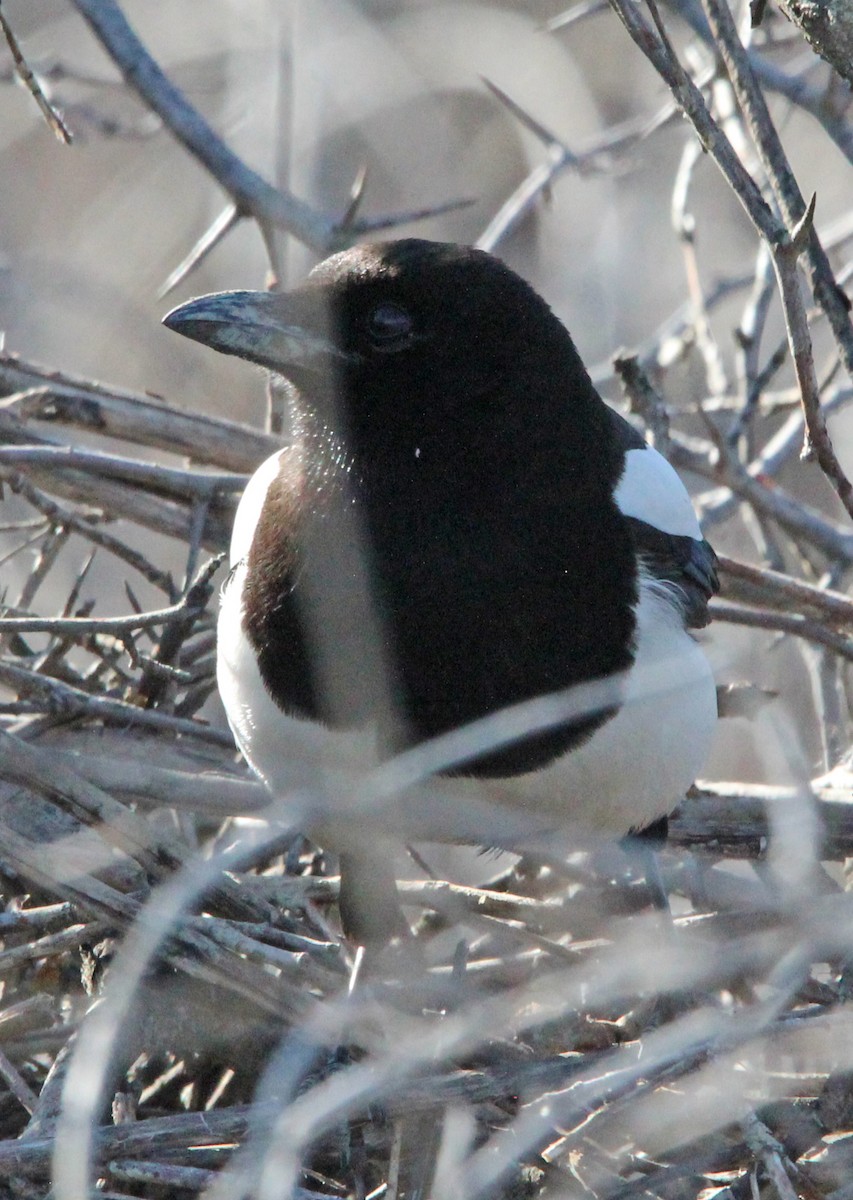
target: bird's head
397 334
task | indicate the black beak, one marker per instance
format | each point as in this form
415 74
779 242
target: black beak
259 326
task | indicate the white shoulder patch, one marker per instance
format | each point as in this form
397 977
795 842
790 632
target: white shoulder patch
249 508
650 490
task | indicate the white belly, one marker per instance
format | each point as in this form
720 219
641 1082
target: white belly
633 769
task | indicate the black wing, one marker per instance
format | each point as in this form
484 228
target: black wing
687 563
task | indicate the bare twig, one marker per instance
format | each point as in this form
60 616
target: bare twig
251 195
578 12
800 626
165 515
794 86
71 701
657 48
209 240
155 478
49 111
780 590
756 485
803 237
786 249
596 154
644 399
41 394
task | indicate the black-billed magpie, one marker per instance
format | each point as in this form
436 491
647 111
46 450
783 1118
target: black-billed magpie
451 456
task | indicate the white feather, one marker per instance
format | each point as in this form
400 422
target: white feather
650 490
249 508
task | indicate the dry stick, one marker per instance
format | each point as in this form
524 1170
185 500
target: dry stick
35 919
578 12
670 341
779 590
35 1014
21 1090
731 819
795 623
26 544
52 544
49 1107
251 195
803 237
367 225
752 484
299 964
644 399
165 516
178 623
193 1179
603 1089
184 1178
692 103
776 452
356 197
795 88
592 157
157 1135
189 949
43 394
116 823
785 253
72 701
57 514
79 626
34 861
198 791
158 672
72 600
690 100
15 957
684 224
785 248
190 486
772 1154
748 339
227 220
50 113
822 666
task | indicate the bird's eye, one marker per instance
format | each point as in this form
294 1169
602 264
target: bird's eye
390 327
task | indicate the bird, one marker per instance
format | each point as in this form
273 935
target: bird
459 524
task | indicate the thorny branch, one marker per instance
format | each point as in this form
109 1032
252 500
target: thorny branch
802 239
251 195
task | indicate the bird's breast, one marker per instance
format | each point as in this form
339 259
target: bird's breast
480 601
